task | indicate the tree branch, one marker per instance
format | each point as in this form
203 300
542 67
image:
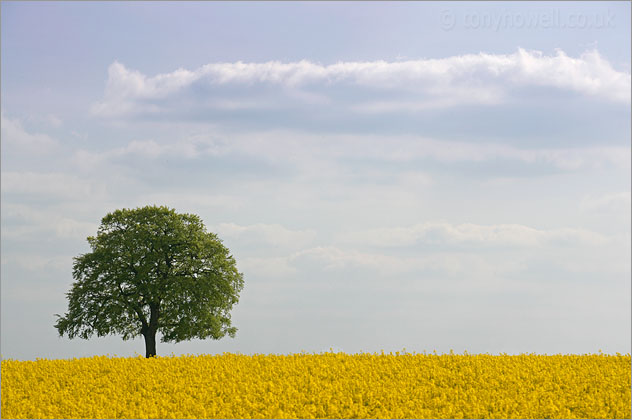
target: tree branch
138 311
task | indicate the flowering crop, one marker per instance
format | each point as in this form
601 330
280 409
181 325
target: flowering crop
329 385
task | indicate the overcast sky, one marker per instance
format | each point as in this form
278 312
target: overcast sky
427 176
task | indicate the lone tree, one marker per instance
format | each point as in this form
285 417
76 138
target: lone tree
152 269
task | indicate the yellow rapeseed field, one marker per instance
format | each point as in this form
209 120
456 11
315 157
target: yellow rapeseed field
329 385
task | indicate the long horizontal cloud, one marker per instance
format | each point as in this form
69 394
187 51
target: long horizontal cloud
331 259
567 249
334 258
306 149
468 233
372 87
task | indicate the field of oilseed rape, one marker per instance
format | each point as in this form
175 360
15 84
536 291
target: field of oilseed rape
329 385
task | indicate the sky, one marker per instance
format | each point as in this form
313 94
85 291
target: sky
420 176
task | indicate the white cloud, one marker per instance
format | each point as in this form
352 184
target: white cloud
50 184
36 262
271 267
519 250
408 148
608 203
412 84
70 228
318 153
589 74
25 222
333 258
188 147
468 233
29 295
53 120
270 234
193 202
14 134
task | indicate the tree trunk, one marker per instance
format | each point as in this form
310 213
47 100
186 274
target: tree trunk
150 343
149 330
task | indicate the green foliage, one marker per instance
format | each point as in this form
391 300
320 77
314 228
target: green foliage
152 269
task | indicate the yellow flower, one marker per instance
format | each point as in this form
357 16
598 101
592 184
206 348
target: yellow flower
329 385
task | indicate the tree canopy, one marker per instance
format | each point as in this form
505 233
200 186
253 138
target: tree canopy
152 270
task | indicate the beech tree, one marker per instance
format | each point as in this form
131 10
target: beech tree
152 270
